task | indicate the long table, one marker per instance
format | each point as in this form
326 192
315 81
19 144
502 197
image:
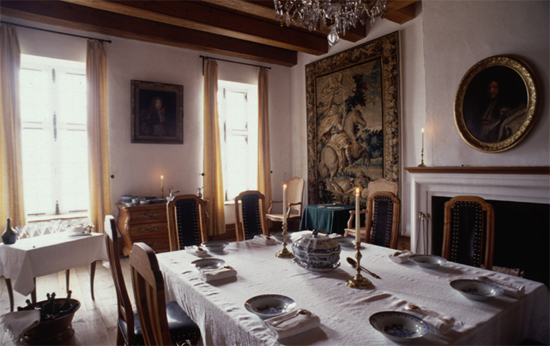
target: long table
47 254
218 307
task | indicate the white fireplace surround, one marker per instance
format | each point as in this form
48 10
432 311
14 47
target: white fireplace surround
530 188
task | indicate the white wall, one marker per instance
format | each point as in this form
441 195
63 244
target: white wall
137 167
437 48
444 40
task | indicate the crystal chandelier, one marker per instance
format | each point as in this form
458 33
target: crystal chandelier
342 14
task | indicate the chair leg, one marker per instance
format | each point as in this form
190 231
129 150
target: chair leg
92 276
10 292
67 278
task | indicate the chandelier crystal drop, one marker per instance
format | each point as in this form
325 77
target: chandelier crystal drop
341 14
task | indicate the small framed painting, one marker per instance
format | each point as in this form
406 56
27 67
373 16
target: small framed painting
497 104
157 113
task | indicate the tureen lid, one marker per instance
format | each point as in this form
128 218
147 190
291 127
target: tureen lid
314 241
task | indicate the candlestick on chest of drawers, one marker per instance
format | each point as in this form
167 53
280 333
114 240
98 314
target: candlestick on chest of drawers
143 223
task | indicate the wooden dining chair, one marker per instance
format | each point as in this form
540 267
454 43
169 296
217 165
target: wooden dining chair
180 326
187 221
382 220
374 186
294 196
469 231
249 208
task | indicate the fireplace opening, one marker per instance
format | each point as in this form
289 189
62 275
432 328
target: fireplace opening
522 236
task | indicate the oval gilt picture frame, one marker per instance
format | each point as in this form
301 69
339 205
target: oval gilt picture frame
496 104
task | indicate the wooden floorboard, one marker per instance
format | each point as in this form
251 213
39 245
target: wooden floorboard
95 322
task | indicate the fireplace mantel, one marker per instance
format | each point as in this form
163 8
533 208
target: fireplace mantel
482 170
529 184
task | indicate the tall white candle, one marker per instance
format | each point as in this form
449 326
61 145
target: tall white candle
284 204
357 218
422 138
161 181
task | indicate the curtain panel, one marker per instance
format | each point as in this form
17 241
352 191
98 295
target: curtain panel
11 182
264 158
212 160
98 146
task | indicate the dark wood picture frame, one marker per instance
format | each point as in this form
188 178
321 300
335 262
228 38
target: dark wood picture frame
157 113
353 107
497 104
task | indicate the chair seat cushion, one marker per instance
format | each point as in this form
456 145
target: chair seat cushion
180 325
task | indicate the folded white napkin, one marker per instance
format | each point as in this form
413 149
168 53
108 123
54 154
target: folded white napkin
263 240
401 256
438 325
514 289
292 323
18 322
209 275
194 250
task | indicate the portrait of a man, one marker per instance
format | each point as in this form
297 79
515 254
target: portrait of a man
158 113
495 104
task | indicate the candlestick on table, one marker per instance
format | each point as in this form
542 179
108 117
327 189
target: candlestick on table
422 151
162 186
358 281
284 253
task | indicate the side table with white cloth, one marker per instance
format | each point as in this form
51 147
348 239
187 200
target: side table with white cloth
30 258
218 306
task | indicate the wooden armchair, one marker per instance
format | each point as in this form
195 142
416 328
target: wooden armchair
249 208
187 221
294 197
469 231
374 186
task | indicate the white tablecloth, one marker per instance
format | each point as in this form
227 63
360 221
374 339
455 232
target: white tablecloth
47 254
218 307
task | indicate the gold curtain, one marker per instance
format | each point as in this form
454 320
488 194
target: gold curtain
212 159
11 182
98 146
264 158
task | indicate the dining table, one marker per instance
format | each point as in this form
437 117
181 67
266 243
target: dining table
29 258
218 307
328 218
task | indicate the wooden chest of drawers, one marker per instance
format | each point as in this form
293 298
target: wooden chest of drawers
143 223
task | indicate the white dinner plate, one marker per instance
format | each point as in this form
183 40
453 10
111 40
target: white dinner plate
476 289
427 261
208 263
269 305
399 326
215 245
345 241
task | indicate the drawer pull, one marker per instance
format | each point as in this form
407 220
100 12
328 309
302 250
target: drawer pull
149 229
149 215
154 244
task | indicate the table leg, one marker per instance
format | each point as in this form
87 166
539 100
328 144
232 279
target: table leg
67 278
10 292
92 276
33 293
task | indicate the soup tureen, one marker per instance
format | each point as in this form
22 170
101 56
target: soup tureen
316 252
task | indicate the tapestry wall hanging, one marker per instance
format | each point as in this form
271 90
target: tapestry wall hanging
353 120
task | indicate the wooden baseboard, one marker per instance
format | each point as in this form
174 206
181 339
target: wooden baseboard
403 243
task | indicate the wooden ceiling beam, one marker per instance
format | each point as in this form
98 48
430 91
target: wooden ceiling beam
194 15
108 23
401 11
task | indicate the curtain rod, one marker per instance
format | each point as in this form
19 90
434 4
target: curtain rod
234 62
56 32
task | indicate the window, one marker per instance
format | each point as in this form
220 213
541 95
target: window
54 138
238 111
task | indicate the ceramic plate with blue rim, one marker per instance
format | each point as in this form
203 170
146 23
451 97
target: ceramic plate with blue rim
427 261
215 245
269 305
208 263
399 326
476 289
345 241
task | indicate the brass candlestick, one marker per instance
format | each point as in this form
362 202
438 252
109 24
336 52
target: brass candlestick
422 158
359 281
162 192
284 253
